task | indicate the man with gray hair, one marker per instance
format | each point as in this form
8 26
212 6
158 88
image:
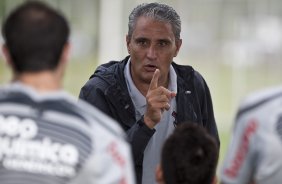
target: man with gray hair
147 93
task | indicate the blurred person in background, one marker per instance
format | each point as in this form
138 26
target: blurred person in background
45 135
254 153
147 93
189 156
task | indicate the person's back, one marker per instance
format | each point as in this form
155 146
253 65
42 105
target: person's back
46 135
50 138
189 156
254 154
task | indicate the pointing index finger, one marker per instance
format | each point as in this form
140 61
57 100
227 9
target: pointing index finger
155 79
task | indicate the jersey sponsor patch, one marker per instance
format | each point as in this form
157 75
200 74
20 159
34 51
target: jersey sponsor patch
22 150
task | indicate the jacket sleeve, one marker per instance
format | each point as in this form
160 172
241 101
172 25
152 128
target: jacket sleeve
205 101
138 136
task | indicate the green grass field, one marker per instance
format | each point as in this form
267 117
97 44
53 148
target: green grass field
227 85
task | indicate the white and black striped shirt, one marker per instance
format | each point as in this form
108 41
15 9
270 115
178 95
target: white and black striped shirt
53 139
254 153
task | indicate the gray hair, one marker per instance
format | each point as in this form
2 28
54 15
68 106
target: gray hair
157 11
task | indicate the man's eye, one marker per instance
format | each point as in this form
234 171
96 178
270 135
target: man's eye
163 43
142 42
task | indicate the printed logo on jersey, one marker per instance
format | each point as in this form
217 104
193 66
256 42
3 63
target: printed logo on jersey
242 150
19 150
119 159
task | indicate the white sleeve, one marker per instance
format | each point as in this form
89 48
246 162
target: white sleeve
240 159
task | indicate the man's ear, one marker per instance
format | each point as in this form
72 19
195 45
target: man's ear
127 43
159 175
214 180
66 53
178 44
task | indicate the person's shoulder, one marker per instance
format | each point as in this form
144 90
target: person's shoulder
17 93
187 71
105 74
4 90
259 99
109 68
99 119
262 96
89 115
182 69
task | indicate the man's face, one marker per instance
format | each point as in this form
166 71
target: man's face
152 45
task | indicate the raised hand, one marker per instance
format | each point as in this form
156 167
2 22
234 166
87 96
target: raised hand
158 99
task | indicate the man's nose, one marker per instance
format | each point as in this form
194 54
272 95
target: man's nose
152 52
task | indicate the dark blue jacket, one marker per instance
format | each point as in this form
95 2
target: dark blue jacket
107 90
